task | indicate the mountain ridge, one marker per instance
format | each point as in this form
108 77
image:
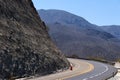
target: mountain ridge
113 29
81 38
65 15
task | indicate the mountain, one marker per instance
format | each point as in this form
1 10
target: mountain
64 18
113 29
25 46
76 36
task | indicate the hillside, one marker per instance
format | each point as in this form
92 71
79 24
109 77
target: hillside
25 46
75 35
113 29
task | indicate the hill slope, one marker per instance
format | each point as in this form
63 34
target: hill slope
74 35
25 47
113 29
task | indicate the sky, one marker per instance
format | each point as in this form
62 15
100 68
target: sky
99 12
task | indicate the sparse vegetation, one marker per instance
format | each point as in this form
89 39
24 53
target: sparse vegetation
91 58
25 46
118 60
73 56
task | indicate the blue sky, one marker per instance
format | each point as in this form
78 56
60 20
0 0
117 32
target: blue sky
99 12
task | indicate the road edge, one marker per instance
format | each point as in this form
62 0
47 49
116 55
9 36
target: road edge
91 67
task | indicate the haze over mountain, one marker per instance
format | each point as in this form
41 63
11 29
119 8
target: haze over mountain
25 47
75 35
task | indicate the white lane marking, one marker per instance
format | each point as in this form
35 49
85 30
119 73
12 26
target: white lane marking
106 69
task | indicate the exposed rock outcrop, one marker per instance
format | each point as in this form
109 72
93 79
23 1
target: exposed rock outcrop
25 46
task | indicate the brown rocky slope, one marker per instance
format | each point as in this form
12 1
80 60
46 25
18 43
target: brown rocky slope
25 46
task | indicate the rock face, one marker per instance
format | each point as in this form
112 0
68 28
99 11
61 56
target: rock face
25 46
76 36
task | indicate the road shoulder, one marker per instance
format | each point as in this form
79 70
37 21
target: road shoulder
80 67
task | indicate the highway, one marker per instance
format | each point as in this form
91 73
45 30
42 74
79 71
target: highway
82 70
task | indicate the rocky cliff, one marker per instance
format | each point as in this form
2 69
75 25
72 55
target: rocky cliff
25 46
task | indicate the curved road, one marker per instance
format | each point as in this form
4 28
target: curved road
101 72
82 70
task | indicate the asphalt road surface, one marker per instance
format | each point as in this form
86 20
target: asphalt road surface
82 70
101 72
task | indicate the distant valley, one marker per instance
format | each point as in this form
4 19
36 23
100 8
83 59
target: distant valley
76 36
